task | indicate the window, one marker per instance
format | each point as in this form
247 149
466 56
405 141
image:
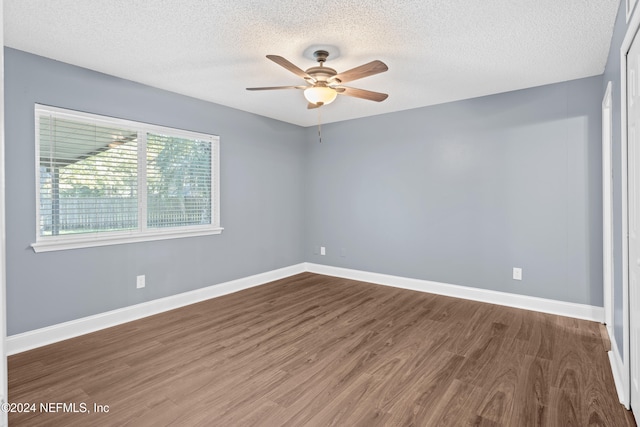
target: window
105 181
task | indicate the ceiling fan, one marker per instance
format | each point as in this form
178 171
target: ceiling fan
324 84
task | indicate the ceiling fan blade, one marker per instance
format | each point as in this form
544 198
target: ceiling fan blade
277 87
311 106
364 94
366 70
291 67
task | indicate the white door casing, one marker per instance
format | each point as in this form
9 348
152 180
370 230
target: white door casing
633 198
3 316
607 210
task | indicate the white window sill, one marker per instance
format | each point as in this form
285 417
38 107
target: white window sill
79 242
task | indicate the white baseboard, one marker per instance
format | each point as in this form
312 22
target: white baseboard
579 311
618 370
51 334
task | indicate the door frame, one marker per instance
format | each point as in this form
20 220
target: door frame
607 209
632 30
3 276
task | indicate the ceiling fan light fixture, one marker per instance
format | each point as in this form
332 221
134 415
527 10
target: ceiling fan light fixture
321 95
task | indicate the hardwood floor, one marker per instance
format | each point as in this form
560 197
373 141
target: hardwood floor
313 350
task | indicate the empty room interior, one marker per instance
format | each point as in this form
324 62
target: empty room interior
346 213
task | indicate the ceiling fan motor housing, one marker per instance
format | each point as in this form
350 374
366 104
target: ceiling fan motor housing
321 73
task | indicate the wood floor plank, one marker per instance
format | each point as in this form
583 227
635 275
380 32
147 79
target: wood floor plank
312 350
532 393
456 407
416 405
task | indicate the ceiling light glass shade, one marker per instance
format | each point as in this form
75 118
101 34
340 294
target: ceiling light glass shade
320 94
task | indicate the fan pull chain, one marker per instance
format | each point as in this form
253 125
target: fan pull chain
319 125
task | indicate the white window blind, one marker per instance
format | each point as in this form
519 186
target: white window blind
102 180
88 177
178 181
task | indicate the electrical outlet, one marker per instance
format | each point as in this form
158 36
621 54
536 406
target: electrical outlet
140 281
323 251
517 273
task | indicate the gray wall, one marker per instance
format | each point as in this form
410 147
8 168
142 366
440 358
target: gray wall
458 193
612 74
462 192
262 189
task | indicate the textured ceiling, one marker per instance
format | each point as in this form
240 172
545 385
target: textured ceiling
437 50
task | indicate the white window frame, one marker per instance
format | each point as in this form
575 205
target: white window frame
142 233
